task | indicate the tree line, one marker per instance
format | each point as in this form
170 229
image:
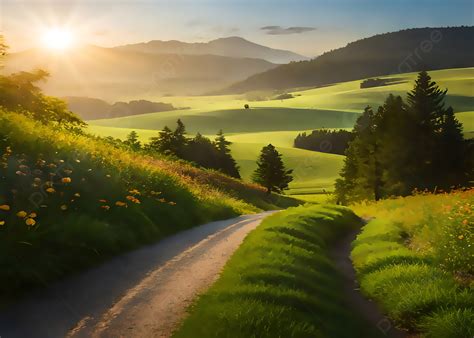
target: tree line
325 141
404 146
270 173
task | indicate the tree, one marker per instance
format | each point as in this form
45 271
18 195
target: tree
132 141
271 172
418 145
19 93
179 140
225 160
163 143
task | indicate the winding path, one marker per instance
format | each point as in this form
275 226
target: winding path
143 293
340 254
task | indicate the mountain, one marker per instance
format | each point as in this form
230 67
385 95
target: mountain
231 46
117 74
391 53
91 108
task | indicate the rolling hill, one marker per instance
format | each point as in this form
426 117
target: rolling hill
279 121
118 75
234 46
391 53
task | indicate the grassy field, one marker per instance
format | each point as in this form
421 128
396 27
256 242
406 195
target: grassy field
68 201
281 282
278 121
416 258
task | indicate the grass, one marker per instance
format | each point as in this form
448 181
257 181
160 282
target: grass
69 201
416 258
281 282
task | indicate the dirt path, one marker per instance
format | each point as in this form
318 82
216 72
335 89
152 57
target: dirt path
340 253
140 294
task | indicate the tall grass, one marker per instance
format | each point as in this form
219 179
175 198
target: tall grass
68 201
416 259
281 282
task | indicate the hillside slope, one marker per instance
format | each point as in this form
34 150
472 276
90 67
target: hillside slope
68 201
391 53
232 46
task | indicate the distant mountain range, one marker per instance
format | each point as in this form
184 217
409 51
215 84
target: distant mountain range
116 74
235 47
391 53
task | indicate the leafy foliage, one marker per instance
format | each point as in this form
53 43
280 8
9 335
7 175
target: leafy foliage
271 172
19 93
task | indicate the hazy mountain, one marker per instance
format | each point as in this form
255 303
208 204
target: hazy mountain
91 108
231 46
391 53
116 74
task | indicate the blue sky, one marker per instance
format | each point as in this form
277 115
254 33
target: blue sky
321 24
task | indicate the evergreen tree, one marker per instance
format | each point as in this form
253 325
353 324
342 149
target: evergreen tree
406 146
132 141
179 139
271 172
202 151
163 142
226 162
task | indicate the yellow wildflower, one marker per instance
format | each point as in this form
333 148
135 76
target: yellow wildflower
30 221
77 194
50 190
120 204
64 207
5 207
2 222
21 214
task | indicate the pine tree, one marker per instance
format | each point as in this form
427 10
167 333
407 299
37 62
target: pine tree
226 162
271 172
132 141
179 139
163 143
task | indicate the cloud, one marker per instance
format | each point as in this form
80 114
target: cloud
278 30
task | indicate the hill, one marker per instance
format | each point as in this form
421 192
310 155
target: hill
90 108
391 53
68 201
279 121
232 46
122 75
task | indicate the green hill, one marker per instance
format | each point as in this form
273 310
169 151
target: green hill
279 121
68 201
397 52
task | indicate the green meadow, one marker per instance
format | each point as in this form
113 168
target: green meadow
279 121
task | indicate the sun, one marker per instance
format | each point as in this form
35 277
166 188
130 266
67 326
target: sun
57 39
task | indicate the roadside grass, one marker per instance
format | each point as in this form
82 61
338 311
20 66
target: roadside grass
69 201
416 259
281 282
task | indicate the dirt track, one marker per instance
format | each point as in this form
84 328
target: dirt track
144 293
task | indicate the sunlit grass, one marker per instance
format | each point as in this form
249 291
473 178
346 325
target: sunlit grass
281 282
416 258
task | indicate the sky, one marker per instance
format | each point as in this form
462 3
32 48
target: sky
308 27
